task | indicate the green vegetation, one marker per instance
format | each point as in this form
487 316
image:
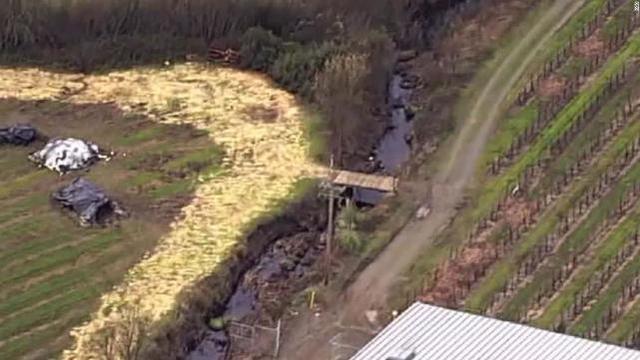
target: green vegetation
597 236
626 326
583 140
606 251
495 188
575 243
348 233
52 271
611 294
512 126
506 135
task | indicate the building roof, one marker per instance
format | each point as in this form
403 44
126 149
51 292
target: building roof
435 333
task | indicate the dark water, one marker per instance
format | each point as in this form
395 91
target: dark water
213 347
215 344
393 149
242 303
276 264
286 260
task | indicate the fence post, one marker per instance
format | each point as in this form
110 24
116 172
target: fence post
276 351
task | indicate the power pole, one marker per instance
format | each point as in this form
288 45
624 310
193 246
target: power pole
329 239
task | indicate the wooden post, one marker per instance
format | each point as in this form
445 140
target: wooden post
276 351
328 249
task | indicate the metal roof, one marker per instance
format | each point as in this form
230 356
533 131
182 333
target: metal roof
435 333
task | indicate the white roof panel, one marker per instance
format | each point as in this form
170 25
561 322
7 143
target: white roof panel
435 333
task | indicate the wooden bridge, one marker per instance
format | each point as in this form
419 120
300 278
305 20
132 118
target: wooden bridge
368 181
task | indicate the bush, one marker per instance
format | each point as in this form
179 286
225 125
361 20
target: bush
297 66
338 89
347 231
260 49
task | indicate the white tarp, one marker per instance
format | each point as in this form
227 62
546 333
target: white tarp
63 155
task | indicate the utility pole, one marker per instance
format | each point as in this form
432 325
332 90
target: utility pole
329 238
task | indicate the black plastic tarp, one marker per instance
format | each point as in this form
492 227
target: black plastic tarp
87 201
18 135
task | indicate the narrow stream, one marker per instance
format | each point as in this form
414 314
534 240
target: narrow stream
285 263
289 259
394 147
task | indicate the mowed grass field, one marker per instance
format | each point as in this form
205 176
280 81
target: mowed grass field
560 253
52 272
193 143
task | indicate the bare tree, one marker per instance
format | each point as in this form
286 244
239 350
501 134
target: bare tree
338 88
123 336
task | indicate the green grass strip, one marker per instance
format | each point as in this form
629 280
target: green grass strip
60 257
494 188
612 293
481 297
511 127
144 135
576 243
507 133
603 255
626 325
25 206
39 339
584 139
47 312
58 284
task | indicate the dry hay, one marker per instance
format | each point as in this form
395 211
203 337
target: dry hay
264 160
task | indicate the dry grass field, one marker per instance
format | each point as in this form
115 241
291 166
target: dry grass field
203 152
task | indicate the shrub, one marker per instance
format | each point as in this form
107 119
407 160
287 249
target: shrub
347 231
297 66
339 91
260 49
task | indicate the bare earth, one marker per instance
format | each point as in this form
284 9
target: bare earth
309 337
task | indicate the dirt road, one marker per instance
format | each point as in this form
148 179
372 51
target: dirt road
310 338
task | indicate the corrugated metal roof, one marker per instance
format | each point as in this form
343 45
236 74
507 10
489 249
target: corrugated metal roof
435 333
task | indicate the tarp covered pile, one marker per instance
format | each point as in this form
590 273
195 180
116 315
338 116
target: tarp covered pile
63 155
18 135
87 201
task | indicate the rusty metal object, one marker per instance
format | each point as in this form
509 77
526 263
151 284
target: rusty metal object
227 56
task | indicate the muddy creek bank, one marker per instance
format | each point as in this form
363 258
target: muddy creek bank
281 264
394 147
290 262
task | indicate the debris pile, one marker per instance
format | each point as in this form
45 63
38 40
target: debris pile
88 202
18 135
64 155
